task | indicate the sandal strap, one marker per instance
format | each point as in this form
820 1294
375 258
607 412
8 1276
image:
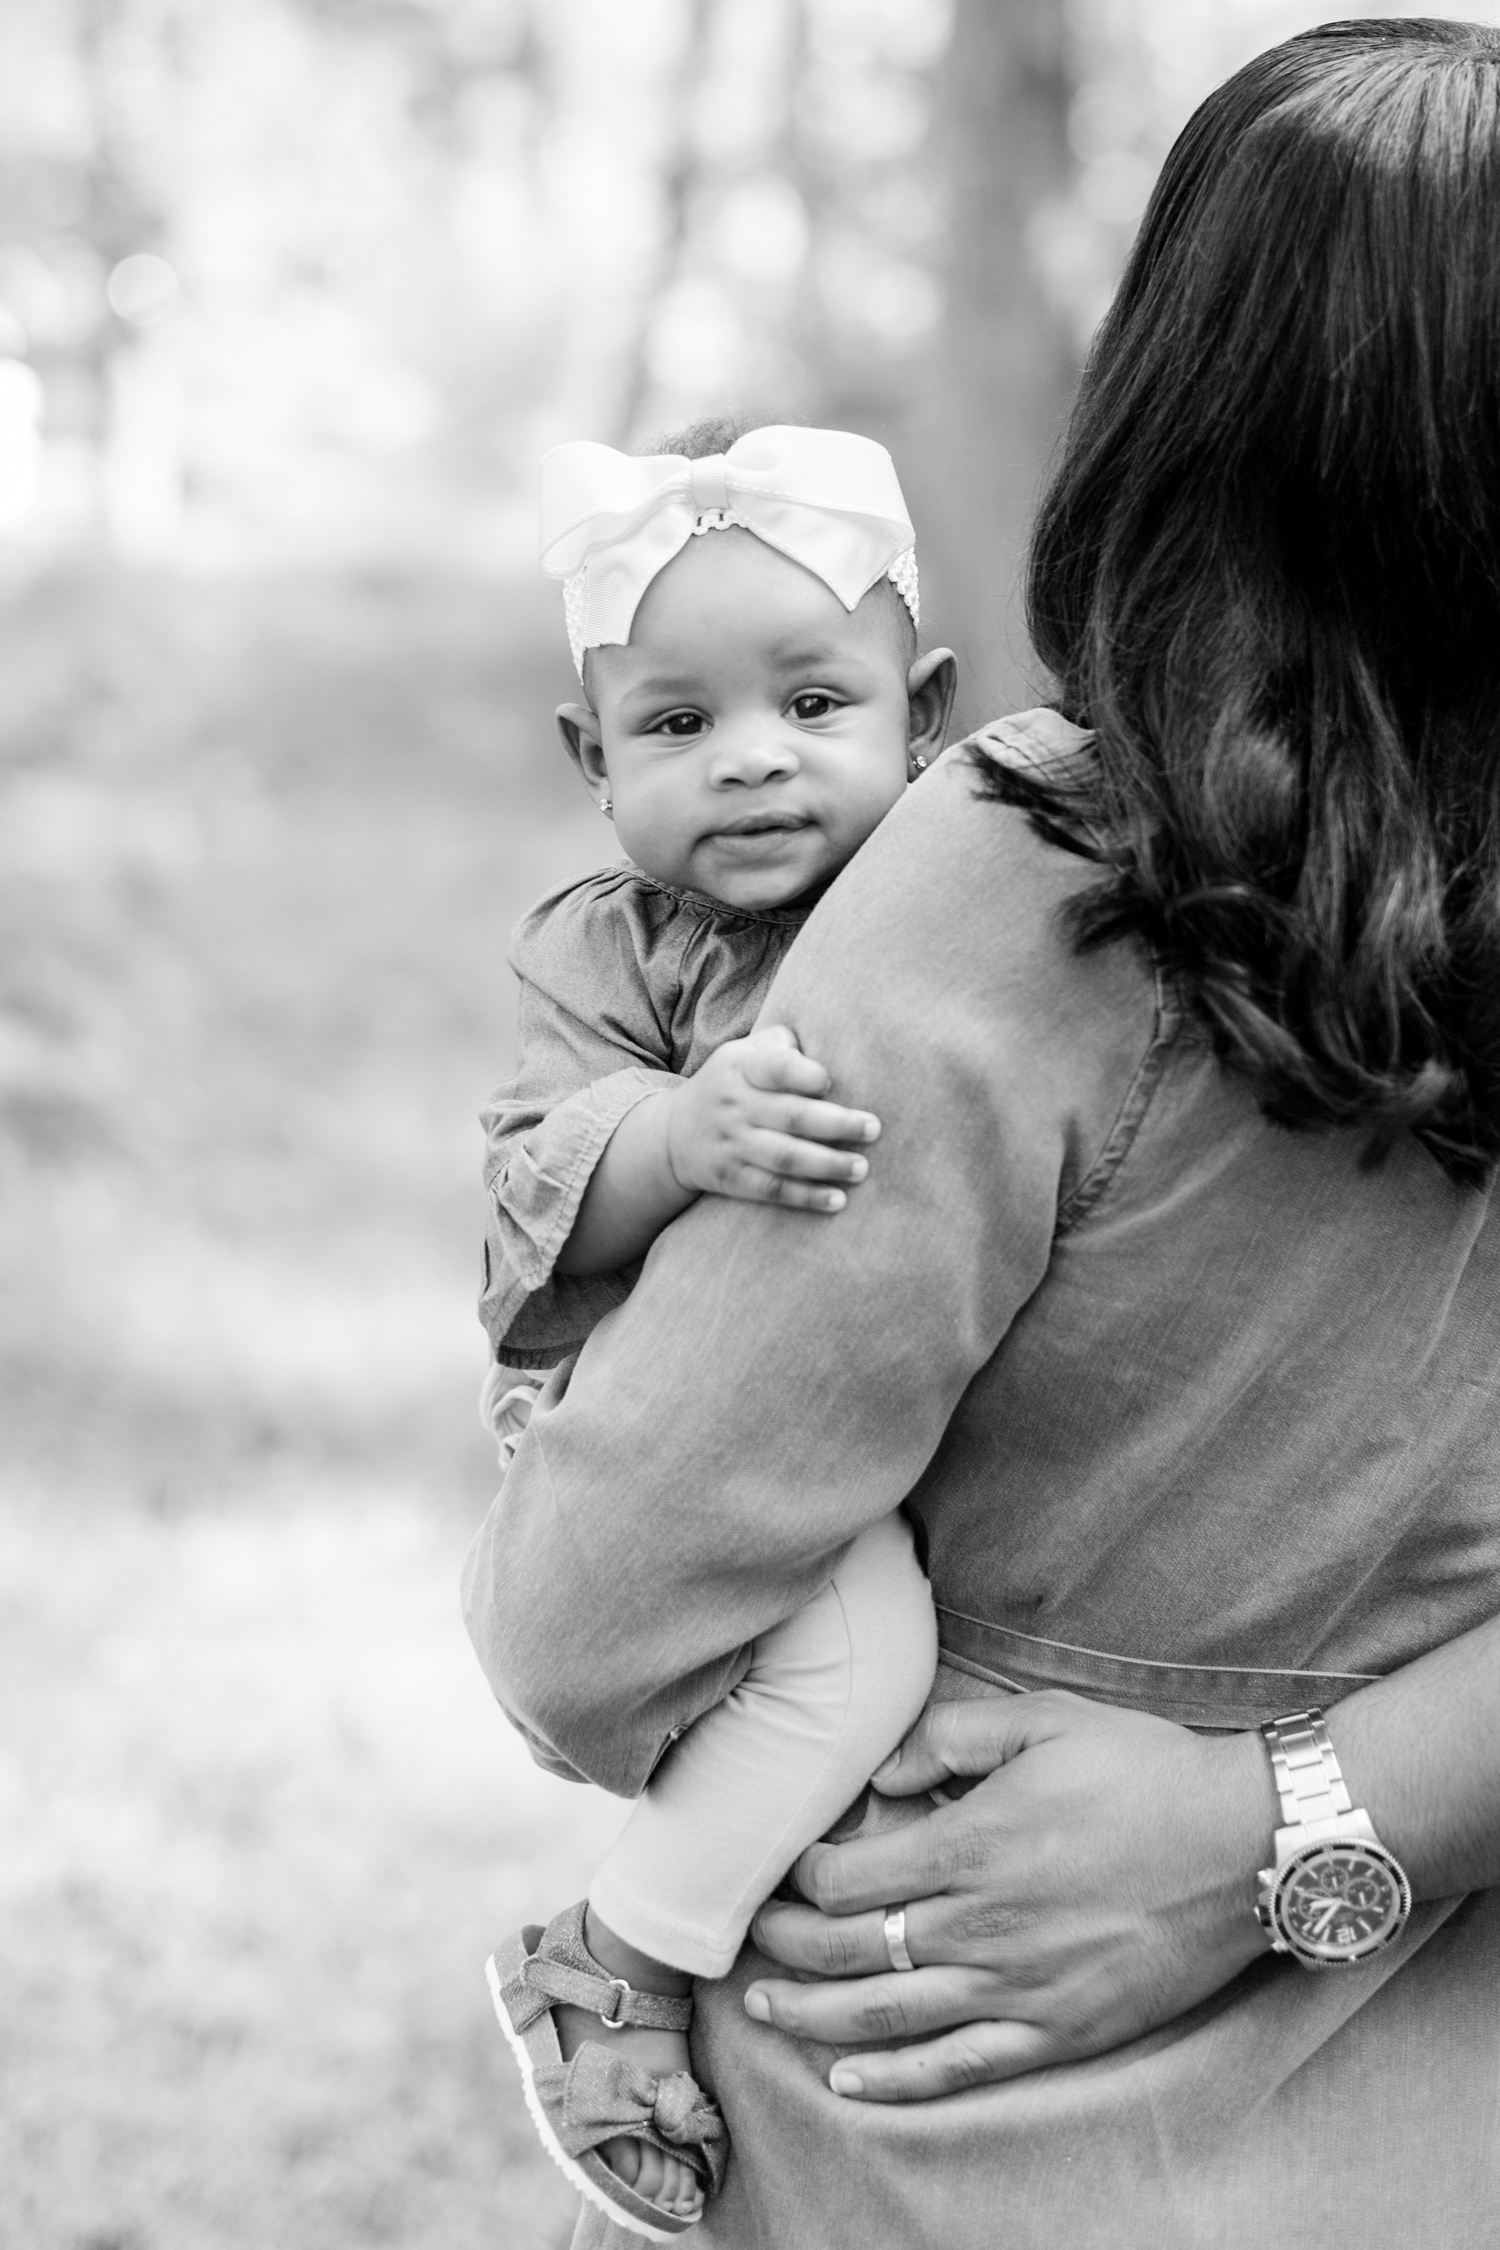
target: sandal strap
610 1998
601 2096
560 1967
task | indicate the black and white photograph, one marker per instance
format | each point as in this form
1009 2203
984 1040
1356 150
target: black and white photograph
749 1097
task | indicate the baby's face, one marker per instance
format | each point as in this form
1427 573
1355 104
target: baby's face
754 730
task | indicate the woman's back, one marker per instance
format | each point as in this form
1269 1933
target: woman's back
1239 1441
1250 1421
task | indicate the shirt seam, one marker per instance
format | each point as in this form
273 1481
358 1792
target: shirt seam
1166 1024
1150 1663
712 909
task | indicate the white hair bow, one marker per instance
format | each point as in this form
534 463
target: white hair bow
611 521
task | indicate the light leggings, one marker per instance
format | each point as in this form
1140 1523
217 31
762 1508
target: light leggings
828 1695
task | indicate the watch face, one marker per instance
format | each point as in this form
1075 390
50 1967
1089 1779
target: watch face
1337 1903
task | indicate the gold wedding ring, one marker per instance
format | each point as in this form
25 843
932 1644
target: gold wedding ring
895 1939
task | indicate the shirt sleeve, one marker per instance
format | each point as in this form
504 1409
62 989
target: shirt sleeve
778 1381
591 1047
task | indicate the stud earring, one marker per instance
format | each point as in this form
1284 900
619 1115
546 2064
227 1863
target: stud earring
606 804
918 763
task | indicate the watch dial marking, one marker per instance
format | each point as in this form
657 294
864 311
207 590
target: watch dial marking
1340 1901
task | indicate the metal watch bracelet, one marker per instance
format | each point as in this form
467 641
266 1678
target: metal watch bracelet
1308 1778
1334 1896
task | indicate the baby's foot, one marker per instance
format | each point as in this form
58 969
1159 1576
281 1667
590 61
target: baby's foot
664 2180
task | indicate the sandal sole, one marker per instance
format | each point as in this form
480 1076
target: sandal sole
667 2228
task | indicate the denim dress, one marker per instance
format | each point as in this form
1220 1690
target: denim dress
1194 1415
627 986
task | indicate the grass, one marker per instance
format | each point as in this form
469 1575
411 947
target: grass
262 842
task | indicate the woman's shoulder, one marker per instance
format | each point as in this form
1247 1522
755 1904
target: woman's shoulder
1039 737
946 951
957 905
951 833
955 872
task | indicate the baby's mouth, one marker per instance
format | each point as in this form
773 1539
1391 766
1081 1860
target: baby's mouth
751 825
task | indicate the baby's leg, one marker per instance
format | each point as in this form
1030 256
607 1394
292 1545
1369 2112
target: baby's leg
828 1695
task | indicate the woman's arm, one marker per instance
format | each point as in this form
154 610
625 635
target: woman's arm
771 1387
1420 1751
1102 1879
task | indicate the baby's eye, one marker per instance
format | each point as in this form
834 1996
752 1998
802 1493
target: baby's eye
814 705
682 724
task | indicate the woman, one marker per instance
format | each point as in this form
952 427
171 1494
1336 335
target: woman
1172 1305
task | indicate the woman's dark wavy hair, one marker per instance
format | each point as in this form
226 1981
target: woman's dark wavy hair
1267 573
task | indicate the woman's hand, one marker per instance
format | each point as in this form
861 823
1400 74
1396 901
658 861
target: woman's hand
1096 1884
753 1123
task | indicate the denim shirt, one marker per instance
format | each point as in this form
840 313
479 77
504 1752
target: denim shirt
1194 1414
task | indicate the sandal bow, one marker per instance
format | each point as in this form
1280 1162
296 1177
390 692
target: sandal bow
599 2096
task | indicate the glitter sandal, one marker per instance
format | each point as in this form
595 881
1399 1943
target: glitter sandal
597 2097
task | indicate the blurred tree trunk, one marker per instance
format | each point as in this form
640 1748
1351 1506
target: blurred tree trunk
679 181
1004 368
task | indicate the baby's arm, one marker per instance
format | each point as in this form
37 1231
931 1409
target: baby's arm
753 1123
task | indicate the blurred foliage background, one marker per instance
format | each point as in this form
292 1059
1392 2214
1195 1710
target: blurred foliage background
292 294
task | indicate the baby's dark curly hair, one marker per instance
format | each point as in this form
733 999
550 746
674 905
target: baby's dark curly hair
716 433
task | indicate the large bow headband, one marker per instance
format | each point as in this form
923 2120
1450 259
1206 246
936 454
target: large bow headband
611 521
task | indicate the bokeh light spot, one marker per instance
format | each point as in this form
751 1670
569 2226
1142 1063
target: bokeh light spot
142 289
763 230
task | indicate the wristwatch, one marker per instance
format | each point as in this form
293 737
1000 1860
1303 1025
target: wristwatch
1336 1896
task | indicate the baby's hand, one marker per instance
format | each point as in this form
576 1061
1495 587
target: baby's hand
752 1124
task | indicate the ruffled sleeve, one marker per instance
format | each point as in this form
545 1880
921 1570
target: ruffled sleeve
597 984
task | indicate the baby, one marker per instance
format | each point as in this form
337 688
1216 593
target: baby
743 613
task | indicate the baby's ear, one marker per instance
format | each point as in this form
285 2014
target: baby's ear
931 685
581 738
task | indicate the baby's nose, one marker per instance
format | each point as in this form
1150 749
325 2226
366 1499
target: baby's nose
751 758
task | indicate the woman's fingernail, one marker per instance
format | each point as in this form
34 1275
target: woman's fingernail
857 1168
834 1201
872 1128
843 2080
886 1766
757 2005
